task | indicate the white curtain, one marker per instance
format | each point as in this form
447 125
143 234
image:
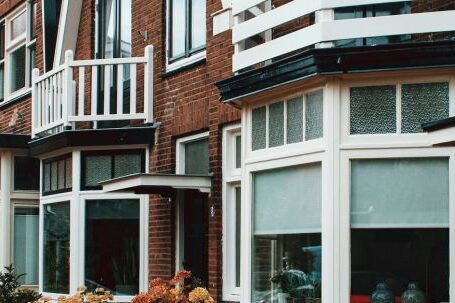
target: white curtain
288 200
400 193
26 247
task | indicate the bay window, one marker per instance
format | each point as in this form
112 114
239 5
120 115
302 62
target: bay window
287 247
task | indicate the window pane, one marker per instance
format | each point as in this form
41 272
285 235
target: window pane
56 243
61 174
69 173
26 222
423 103
112 246
33 17
17 71
238 151
47 177
125 28
2 41
295 120
109 28
314 125
97 169
259 128
178 28
26 173
2 81
238 216
197 157
400 193
18 26
54 176
32 63
276 124
198 24
373 110
127 164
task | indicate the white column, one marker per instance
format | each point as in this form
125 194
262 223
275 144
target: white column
5 209
77 239
325 15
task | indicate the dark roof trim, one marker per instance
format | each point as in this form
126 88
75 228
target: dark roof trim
14 141
330 61
94 137
439 124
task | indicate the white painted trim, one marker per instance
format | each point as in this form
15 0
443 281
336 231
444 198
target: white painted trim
5 208
180 150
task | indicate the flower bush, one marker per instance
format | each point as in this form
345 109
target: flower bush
83 296
173 291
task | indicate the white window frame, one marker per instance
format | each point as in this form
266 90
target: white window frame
179 223
179 63
77 199
231 181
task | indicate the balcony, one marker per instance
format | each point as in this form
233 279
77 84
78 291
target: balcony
91 94
267 30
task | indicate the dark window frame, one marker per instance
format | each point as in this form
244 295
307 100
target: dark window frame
189 51
65 157
111 153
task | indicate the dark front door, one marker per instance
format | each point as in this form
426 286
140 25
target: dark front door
196 235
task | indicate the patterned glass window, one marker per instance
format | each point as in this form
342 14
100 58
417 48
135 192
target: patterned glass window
295 120
57 174
276 124
259 128
314 116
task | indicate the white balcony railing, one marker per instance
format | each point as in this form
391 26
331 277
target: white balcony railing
60 101
260 18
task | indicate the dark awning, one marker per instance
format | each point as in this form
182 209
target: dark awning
158 183
14 141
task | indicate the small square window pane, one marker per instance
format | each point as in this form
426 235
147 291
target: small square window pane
54 175
97 169
69 173
238 151
198 24
295 120
423 103
178 29
18 25
17 69
276 124
47 177
127 164
259 128
197 157
314 125
373 110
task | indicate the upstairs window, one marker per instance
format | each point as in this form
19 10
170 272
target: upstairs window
187 28
57 175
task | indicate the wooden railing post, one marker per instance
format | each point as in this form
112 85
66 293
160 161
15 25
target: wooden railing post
148 84
36 104
67 107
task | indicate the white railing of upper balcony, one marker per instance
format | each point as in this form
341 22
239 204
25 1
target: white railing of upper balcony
263 18
59 101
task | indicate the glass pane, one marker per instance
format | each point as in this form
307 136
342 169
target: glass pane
109 28
17 71
2 81
112 246
288 200
238 216
33 17
47 177
276 124
314 125
398 257
26 173
259 128
197 157
178 28
18 26
198 23
54 175
127 164
125 28
32 63
2 41
373 110
56 243
61 174
400 193
26 222
97 169
69 173
423 103
238 151
295 120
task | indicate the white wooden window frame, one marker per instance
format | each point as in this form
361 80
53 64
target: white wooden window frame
231 181
77 199
179 223
24 40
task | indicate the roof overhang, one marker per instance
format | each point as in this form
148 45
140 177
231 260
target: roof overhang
163 184
442 132
14 141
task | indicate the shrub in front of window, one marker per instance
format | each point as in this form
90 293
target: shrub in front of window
83 296
9 288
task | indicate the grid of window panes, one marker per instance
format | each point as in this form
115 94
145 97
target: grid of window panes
373 109
57 175
291 121
102 166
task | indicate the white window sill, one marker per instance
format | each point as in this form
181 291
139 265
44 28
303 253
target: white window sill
182 63
231 297
16 96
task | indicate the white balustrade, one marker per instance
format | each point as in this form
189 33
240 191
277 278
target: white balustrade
60 99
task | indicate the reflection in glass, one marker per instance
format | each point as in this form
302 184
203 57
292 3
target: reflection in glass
112 246
178 28
198 26
17 71
18 25
56 244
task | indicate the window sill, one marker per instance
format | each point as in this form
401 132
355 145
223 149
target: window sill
16 97
185 64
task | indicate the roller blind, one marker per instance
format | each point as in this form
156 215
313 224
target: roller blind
400 193
288 200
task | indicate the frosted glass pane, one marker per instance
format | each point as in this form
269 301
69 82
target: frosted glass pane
54 175
61 174
98 168
127 165
197 157
276 124
400 193
259 127
288 200
314 115
373 110
47 177
423 103
295 120
238 151
69 173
